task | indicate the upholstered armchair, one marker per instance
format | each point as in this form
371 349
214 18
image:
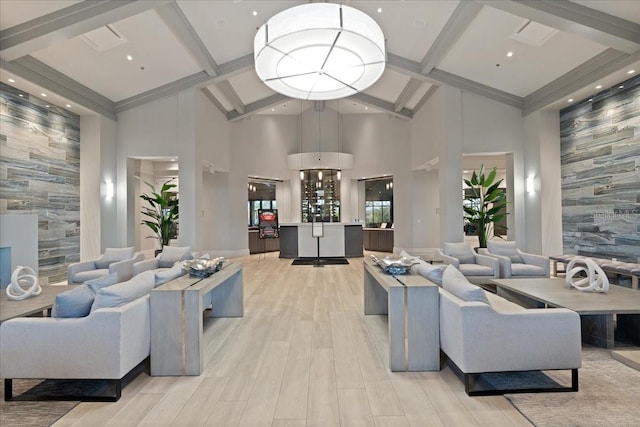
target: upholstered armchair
475 267
514 263
165 264
113 260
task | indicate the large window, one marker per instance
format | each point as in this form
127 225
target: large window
378 212
378 205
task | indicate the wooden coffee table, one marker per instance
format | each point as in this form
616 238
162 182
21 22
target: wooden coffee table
32 305
598 312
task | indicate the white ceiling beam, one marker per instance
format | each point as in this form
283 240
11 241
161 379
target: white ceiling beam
39 73
382 105
214 101
175 18
425 98
258 106
438 77
458 22
575 18
42 32
586 74
410 88
231 94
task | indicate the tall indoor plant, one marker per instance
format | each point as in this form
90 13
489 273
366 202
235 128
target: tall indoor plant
488 204
162 212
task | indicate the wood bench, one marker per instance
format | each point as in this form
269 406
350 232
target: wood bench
411 303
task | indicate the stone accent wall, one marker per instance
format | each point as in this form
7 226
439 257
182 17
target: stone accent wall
40 175
600 145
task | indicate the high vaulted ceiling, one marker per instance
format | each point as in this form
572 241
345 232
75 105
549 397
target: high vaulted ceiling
76 52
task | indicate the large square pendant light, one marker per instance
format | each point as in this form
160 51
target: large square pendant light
319 51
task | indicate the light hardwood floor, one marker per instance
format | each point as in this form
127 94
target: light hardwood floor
304 354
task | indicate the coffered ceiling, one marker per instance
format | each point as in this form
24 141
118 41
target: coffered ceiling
76 52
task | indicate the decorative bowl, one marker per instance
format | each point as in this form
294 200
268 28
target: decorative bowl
395 266
203 267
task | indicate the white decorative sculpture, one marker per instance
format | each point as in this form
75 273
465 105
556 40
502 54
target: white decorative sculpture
15 291
596 280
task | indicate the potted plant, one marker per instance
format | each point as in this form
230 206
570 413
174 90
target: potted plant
486 206
162 212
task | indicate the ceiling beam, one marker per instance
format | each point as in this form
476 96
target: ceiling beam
42 32
256 107
586 74
575 18
231 94
410 88
382 105
425 98
169 89
214 100
175 18
39 73
458 22
413 69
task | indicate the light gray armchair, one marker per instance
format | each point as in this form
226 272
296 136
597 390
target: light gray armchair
514 263
476 268
113 260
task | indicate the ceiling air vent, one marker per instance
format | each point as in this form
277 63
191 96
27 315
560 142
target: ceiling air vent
103 38
533 33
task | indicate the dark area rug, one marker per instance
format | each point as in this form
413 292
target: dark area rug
608 396
322 261
21 412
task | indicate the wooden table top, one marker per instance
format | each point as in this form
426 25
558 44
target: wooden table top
557 293
34 304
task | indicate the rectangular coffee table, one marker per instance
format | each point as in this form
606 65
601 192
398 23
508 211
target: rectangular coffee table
32 305
596 310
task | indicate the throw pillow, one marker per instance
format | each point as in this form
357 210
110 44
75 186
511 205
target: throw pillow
172 254
165 275
431 272
112 255
458 249
77 302
467 259
454 282
124 292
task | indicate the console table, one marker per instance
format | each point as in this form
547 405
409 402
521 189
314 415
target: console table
177 322
411 303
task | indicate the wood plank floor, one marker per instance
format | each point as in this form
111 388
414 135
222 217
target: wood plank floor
304 354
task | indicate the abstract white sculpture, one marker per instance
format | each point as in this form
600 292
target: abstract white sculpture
15 290
596 280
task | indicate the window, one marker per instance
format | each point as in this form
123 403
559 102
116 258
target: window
254 205
377 212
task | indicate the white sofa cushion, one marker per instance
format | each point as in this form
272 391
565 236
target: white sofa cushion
83 276
508 249
476 270
454 281
164 275
462 251
122 293
112 255
77 301
432 272
172 254
526 270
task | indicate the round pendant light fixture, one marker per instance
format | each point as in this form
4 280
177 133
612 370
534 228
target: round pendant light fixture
319 51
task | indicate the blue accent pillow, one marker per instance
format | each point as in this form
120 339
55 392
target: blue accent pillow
77 302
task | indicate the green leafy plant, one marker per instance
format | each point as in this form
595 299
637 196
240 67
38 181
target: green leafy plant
162 212
488 204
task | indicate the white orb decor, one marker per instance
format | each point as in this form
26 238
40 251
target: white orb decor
23 276
596 280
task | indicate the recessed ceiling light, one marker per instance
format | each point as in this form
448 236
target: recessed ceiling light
129 58
273 109
11 81
599 87
509 54
366 108
379 10
621 87
21 95
590 99
47 106
68 106
43 94
254 13
570 100
631 71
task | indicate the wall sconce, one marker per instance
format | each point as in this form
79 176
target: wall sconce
530 185
109 191
302 175
339 175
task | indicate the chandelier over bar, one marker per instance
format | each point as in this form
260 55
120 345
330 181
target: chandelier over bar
319 51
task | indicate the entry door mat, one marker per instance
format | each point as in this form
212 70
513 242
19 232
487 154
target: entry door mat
608 395
322 261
